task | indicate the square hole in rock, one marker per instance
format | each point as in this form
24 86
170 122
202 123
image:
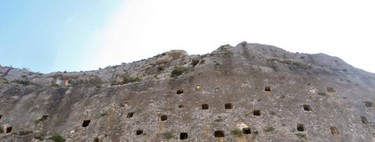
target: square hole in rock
219 134
246 130
86 123
256 112
180 91
163 118
267 88
307 108
228 106
183 136
334 130
139 132
130 115
205 106
8 129
300 127
364 120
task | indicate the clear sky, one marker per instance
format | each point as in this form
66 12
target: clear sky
75 35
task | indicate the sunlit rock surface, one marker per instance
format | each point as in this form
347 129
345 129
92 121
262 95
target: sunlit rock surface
250 92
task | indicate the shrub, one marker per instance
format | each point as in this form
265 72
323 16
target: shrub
76 83
273 113
54 85
322 94
57 138
126 78
219 120
103 114
177 71
227 53
237 133
301 136
43 118
23 82
223 46
368 104
94 81
22 133
168 135
289 62
269 129
39 136
293 130
202 62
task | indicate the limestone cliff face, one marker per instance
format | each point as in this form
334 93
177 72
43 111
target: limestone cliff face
250 92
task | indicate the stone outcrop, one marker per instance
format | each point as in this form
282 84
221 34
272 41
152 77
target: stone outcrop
250 92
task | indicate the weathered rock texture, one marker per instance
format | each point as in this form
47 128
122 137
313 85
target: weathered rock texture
250 92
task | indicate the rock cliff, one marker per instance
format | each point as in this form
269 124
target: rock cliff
249 92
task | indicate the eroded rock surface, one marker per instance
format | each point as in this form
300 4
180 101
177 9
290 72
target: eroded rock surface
250 92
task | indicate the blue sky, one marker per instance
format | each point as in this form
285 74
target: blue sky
75 35
50 35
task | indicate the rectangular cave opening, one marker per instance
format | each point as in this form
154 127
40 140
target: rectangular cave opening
219 134
86 123
163 117
267 88
300 127
256 112
139 132
364 120
205 106
8 129
228 106
179 91
334 130
246 131
307 107
183 136
130 115
1 116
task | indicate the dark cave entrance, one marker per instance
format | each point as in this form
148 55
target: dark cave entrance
205 106
163 117
86 123
183 136
219 134
300 127
228 106
256 112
